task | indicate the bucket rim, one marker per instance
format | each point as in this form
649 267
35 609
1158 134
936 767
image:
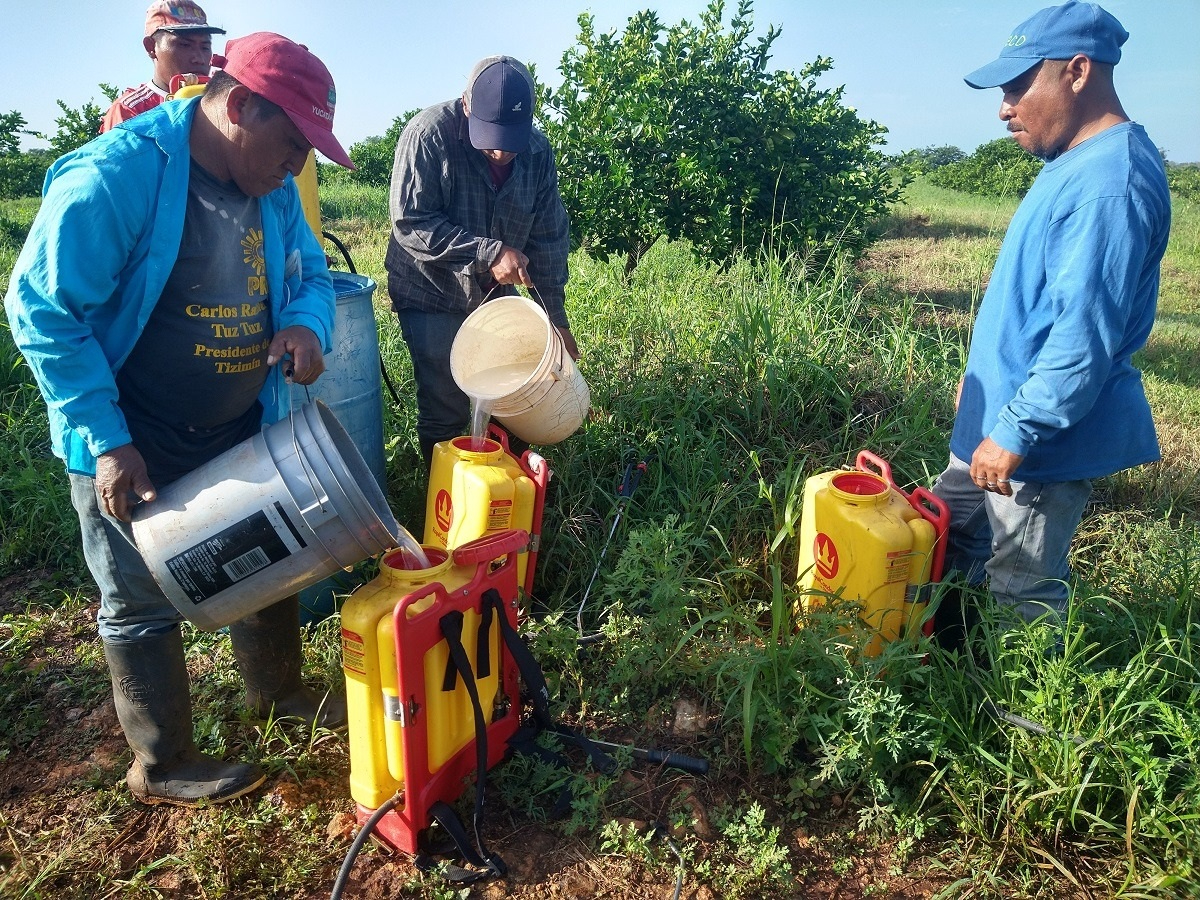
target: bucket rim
550 339
310 429
352 486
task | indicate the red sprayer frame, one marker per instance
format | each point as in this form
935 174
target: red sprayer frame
931 507
415 636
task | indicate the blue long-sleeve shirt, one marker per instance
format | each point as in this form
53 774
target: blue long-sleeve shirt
1071 298
97 257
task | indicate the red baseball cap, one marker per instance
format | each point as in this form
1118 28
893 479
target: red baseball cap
291 77
180 17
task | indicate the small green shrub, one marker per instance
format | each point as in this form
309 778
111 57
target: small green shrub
1001 168
1184 180
21 174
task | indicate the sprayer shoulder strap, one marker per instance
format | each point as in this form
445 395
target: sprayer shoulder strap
524 741
487 864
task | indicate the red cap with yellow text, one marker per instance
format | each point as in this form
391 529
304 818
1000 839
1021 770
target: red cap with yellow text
291 77
180 17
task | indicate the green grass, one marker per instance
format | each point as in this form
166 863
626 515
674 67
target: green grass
740 383
15 218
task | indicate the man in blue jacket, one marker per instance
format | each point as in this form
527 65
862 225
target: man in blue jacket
1050 399
168 288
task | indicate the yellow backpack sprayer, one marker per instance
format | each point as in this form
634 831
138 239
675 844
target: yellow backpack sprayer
431 693
865 539
479 486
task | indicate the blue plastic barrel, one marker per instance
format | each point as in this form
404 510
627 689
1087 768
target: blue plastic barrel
352 388
351 385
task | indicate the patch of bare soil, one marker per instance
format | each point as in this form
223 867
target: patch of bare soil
68 828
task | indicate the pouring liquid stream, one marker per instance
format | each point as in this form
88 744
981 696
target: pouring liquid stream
483 387
481 413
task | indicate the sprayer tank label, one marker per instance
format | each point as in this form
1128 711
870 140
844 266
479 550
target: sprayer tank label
237 552
354 652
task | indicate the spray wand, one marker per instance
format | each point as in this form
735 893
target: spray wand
634 470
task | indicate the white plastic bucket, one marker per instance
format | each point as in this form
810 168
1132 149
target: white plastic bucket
507 354
276 514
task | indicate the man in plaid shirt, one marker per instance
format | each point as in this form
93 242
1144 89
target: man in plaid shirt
475 209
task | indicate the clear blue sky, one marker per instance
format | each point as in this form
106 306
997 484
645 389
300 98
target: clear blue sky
901 61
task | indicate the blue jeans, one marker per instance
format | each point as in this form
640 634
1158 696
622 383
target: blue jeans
1020 542
443 411
132 606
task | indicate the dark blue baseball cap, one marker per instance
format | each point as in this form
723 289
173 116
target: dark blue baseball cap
1057 32
500 100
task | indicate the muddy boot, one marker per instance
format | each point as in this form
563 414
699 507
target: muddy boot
266 646
152 696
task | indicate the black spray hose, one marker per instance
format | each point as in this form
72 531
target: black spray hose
690 764
661 831
343 876
345 253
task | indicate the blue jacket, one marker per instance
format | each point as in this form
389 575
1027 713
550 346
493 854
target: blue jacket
1071 299
97 257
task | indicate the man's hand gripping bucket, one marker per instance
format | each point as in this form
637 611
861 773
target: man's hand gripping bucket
509 356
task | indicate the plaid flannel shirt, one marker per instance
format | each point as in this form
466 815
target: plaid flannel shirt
449 223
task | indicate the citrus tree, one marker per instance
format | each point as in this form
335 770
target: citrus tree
685 133
20 173
999 168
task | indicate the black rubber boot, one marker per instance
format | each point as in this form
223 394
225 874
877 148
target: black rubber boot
152 695
266 645
950 621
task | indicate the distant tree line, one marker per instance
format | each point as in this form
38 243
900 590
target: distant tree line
22 172
1002 168
680 132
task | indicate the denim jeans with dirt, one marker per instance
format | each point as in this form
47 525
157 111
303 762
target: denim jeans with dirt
1020 543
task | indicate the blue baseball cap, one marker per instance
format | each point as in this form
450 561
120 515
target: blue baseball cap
500 100
1056 32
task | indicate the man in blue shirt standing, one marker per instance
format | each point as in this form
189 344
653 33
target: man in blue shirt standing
1050 399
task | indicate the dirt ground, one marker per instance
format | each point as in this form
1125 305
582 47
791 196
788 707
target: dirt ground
51 825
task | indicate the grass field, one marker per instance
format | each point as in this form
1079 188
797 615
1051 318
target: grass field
1002 772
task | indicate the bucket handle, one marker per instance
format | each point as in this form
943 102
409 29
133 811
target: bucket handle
472 306
533 291
321 499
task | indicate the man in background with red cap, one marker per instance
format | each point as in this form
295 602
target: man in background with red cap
169 288
1051 399
179 42
475 209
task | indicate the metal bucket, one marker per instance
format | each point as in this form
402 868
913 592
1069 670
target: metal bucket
352 389
276 514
